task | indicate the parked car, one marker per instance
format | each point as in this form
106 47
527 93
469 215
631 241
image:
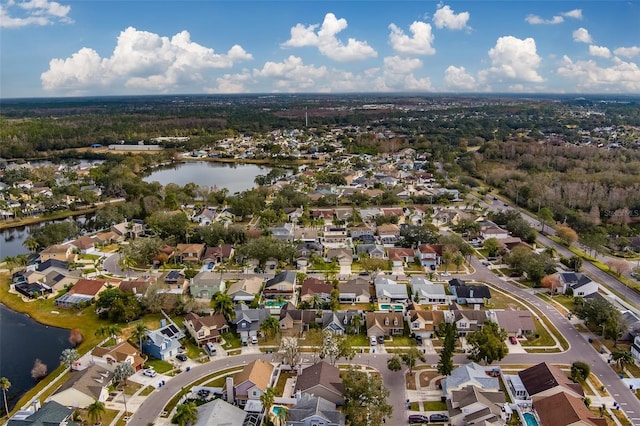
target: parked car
419 340
381 339
254 340
513 340
181 357
373 340
149 372
211 348
438 418
418 419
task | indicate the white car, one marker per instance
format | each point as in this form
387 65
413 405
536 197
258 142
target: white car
149 372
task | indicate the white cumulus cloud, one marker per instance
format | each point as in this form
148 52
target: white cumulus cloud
536 20
445 17
621 76
600 51
326 41
515 59
16 14
292 75
419 44
142 60
628 52
574 14
581 35
457 78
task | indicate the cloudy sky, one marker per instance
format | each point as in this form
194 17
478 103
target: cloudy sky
96 47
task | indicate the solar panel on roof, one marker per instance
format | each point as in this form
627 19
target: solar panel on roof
167 332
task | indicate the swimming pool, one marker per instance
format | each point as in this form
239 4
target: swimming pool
389 307
274 304
530 420
276 409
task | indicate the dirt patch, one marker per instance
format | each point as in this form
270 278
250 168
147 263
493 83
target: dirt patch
411 381
426 377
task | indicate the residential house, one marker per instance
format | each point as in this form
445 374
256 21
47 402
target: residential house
284 232
322 380
466 321
129 229
248 321
430 255
324 214
47 266
307 235
399 256
206 216
294 214
165 253
84 387
468 294
137 286
579 283
60 252
295 321
174 281
361 230
442 217
189 253
282 285
355 291
425 292
204 329
424 323
51 413
565 409
389 291
163 343
515 323
313 288
544 379
108 237
469 374
84 244
344 257
252 381
218 254
493 232
245 290
334 236
121 352
389 233
373 251
206 284
83 291
384 323
340 322
315 411
220 413
472 405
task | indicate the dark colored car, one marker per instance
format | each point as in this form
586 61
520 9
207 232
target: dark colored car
181 357
418 419
438 418
513 340
419 340
381 339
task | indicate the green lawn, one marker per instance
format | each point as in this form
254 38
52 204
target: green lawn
158 365
231 341
543 337
435 406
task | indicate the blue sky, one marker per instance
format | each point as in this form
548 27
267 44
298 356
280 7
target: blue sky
93 47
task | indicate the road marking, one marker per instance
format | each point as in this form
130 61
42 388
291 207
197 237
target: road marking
616 394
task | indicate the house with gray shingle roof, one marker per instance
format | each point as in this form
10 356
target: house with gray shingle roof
323 380
312 410
51 413
206 284
248 321
581 284
469 374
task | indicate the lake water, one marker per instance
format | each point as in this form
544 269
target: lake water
235 177
22 340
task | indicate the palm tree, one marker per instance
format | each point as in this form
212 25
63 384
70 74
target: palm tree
316 300
282 415
95 411
5 384
111 330
270 326
622 357
223 304
186 414
267 399
68 357
356 320
139 333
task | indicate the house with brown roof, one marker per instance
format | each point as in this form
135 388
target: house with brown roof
84 387
423 323
472 405
544 379
430 255
312 287
323 380
165 253
121 352
384 323
205 329
389 233
245 290
61 252
467 321
218 254
85 244
174 281
515 323
294 320
564 409
138 285
83 291
357 290
251 382
399 256
189 252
